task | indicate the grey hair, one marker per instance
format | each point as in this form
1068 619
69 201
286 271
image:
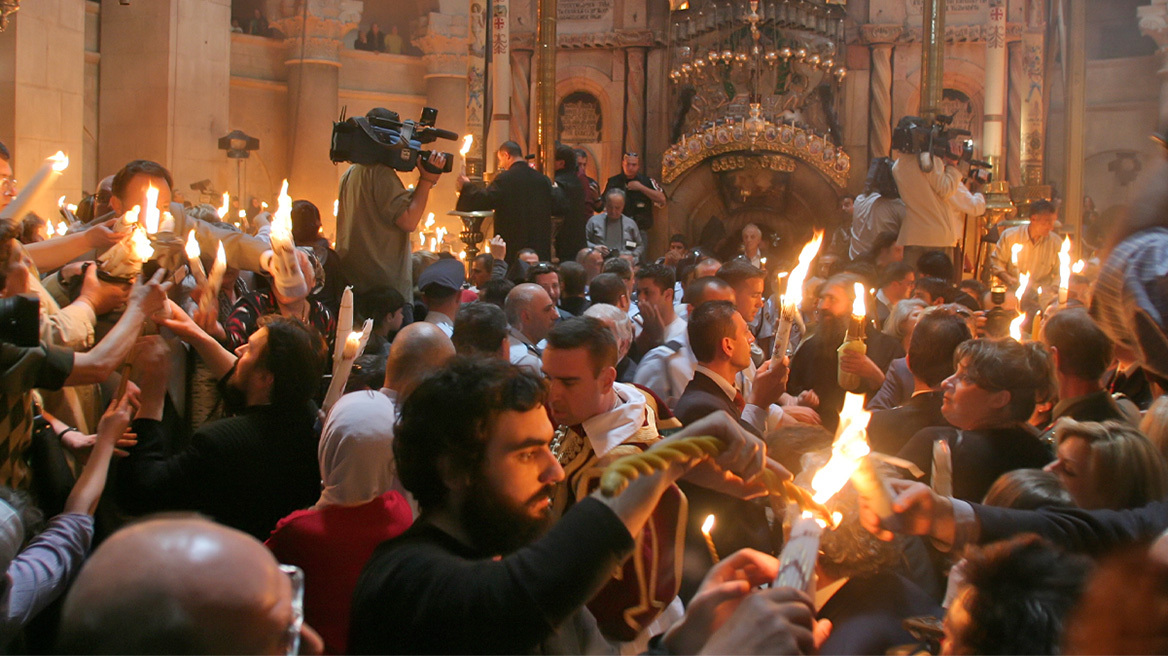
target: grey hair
622 325
899 313
617 191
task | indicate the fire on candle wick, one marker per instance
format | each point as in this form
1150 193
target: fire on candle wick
708 526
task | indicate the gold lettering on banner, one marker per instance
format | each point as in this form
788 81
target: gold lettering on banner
753 162
583 9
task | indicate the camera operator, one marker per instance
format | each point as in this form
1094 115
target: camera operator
376 217
928 224
966 201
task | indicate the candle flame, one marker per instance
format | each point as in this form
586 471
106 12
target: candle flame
1064 269
793 295
140 244
61 202
61 227
152 214
282 220
336 206
192 246
1078 266
49 230
708 525
72 208
858 307
1014 251
1016 324
221 257
851 444
263 205
132 215
430 220
226 206
462 255
243 214
467 142
60 161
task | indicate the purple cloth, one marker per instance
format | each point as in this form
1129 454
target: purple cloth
44 569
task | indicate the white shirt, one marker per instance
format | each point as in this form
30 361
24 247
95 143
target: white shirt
667 371
751 413
524 353
872 215
926 221
445 323
677 330
964 203
610 429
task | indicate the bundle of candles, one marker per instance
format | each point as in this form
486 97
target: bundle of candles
792 298
143 228
348 345
209 284
281 261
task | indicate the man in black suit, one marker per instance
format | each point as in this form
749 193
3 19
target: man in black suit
896 284
250 469
721 340
816 363
930 359
523 199
641 192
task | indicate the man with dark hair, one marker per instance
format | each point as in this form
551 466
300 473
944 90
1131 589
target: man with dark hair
1018 594
547 275
934 291
528 255
531 314
1081 354
480 571
930 360
376 218
495 292
574 210
572 298
386 306
591 187
1038 255
655 290
254 467
642 193
667 369
523 199
816 363
748 282
935 264
609 288
306 233
612 231
622 268
480 329
441 287
877 210
896 284
490 265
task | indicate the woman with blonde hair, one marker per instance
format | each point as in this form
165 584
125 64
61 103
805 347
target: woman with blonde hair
1108 465
1155 424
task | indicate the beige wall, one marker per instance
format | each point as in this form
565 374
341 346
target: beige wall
41 100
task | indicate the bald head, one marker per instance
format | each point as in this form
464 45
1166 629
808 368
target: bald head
418 349
179 586
530 310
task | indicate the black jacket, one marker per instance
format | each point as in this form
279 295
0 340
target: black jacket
524 202
570 237
867 613
979 456
247 471
810 372
890 430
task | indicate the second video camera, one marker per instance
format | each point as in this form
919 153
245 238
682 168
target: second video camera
382 137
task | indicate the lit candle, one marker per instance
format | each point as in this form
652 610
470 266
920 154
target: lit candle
1036 325
344 323
467 142
196 264
354 343
793 296
281 261
800 553
708 526
152 216
1064 270
214 281
50 232
854 342
336 207
61 228
45 176
226 206
942 469
1016 324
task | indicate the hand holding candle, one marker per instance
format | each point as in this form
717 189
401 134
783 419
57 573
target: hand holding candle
196 264
214 281
708 526
282 262
854 342
354 343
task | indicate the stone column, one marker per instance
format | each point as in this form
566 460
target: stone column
443 41
1154 23
521 96
1017 76
1032 117
635 101
881 39
313 57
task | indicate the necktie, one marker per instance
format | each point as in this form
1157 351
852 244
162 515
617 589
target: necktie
739 402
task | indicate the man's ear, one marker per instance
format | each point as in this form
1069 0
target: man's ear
454 480
726 346
116 205
607 378
1054 358
999 399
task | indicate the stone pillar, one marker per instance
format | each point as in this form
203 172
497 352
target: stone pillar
1032 117
164 87
881 39
443 41
42 86
521 96
1017 77
1154 23
635 101
313 57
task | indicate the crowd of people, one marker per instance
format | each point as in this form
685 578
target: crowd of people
449 501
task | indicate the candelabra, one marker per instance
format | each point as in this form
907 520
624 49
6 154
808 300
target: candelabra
472 230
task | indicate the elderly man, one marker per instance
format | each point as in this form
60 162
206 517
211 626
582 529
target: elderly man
643 193
531 313
752 244
617 320
613 232
184 585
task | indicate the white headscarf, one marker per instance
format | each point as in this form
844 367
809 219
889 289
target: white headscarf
356 450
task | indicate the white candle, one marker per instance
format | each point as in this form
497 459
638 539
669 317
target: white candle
45 176
344 323
214 281
793 296
152 214
800 553
352 347
1064 270
942 469
282 262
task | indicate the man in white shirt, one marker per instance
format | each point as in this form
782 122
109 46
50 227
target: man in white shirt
654 284
531 313
1038 254
752 244
927 223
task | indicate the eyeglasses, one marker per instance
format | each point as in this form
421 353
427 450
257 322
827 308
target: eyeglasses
292 633
8 184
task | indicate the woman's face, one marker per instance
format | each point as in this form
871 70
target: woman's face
1073 466
966 405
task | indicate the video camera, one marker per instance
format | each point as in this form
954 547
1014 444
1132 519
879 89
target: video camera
20 320
914 134
381 137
